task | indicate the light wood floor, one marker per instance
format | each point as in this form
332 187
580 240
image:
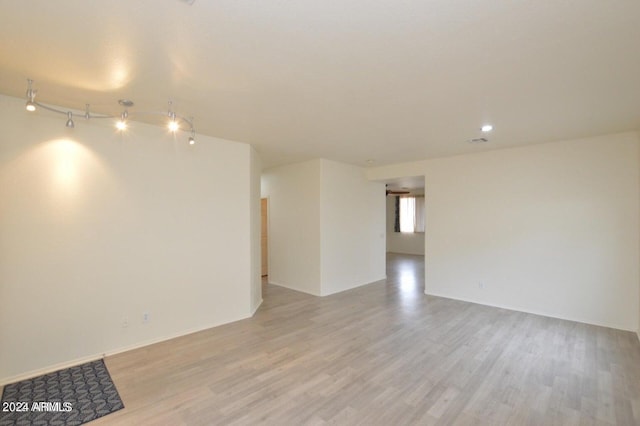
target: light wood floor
383 354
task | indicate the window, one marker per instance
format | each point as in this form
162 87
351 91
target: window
411 213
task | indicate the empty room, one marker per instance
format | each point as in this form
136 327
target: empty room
331 212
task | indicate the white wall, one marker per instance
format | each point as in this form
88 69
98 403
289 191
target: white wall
551 228
294 225
326 227
98 227
401 242
352 228
255 228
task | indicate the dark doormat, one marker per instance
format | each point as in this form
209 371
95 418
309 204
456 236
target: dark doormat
72 396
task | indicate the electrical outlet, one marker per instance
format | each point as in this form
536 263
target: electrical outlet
145 317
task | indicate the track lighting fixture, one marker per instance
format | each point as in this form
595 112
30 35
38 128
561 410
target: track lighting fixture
31 95
173 124
121 123
70 124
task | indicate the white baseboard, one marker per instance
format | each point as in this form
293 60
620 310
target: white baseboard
49 369
257 307
356 286
66 364
406 252
529 311
384 277
292 288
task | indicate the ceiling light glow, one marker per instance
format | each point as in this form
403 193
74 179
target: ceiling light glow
487 128
122 123
173 123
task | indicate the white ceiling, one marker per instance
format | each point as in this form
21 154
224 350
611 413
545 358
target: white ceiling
348 80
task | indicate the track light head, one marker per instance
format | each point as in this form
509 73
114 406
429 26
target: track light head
122 123
173 123
70 124
192 141
31 96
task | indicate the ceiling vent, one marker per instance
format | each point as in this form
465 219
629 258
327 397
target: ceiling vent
478 140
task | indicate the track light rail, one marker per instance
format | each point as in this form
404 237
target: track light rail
122 119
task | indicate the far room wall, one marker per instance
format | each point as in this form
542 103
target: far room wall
550 228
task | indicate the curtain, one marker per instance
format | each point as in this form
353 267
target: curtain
411 214
407 214
419 214
396 225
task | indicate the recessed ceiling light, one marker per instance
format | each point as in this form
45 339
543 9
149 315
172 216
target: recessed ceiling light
487 128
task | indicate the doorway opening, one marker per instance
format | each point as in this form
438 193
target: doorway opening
405 228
